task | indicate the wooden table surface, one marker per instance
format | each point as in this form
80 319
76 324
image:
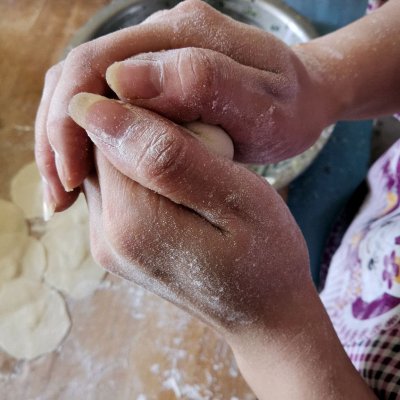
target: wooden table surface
124 342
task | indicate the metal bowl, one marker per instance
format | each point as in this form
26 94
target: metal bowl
272 16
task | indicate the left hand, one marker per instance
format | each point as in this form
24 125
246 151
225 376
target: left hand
217 241
189 225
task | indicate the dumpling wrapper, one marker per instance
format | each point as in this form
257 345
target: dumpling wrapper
26 191
70 265
12 218
33 318
21 255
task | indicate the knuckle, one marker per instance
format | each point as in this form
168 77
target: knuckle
163 158
157 16
81 58
189 5
197 69
193 11
79 52
53 72
194 6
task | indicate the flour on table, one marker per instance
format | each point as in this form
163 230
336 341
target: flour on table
33 318
26 191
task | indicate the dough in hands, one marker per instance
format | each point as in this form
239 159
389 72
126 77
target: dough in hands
11 218
26 190
213 137
33 318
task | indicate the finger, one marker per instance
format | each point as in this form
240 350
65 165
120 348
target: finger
162 157
54 196
196 84
98 246
191 23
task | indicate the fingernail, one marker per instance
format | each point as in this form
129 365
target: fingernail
61 173
135 78
49 204
103 119
80 104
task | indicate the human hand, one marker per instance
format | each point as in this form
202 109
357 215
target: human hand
191 226
217 241
229 74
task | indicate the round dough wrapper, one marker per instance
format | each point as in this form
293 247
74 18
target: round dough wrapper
33 318
26 191
76 214
12 218
21 255
70 266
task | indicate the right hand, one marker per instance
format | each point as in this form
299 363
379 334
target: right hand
221 72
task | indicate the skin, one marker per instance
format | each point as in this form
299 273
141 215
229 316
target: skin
280 332
225 260
257 114
223 78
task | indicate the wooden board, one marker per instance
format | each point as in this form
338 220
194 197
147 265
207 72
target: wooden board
124 343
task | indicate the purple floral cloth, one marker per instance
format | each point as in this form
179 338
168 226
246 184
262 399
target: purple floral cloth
362 290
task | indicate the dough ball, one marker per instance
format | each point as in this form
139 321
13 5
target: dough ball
70 266
12 218
21 255
33 318
26 191
215 138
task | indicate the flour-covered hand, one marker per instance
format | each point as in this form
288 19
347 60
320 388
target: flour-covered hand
203 66
190 225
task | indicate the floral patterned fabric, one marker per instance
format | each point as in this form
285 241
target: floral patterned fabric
362 290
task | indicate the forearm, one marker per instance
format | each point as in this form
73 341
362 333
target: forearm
301 358
357 68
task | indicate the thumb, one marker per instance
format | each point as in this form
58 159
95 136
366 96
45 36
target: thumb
199 84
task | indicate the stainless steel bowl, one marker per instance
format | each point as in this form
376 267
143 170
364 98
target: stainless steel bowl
270 15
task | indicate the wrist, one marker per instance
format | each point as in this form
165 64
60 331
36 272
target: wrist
301 357
332 96
281 322
356 67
